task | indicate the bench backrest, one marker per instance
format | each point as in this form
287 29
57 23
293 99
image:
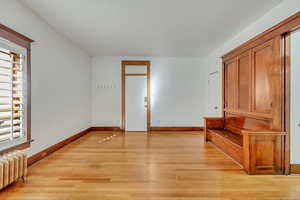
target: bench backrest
236 123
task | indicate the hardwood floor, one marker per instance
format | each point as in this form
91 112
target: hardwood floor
165 166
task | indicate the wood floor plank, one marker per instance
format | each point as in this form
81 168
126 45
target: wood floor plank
139 166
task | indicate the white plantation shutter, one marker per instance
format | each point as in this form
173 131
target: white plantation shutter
12 94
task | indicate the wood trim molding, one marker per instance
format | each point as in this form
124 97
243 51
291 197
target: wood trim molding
148 95
182 128
158 128
286 41
135 74
106 128
28 105
295 168
53 148
135 62
13 36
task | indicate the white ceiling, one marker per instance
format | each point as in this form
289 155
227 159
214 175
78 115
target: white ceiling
149 27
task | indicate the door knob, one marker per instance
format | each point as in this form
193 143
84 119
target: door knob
216 107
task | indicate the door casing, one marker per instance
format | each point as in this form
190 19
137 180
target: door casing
123 95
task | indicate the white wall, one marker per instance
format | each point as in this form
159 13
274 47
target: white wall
213 61
60 79
177 91
295 97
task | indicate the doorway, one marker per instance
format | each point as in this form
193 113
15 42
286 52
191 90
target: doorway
213 100
136 101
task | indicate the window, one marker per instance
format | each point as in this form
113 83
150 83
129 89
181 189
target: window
14 92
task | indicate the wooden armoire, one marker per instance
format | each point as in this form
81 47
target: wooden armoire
254 129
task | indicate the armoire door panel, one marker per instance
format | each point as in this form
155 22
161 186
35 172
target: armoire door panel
230 82
244 81
277 85
262 67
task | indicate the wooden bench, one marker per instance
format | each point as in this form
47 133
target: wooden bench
258 151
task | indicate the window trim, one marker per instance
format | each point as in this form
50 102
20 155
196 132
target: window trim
19 39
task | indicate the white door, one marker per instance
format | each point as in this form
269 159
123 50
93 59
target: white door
213 94
136 103
295 97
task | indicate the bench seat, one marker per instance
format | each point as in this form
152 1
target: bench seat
231 143
257 151
232 137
